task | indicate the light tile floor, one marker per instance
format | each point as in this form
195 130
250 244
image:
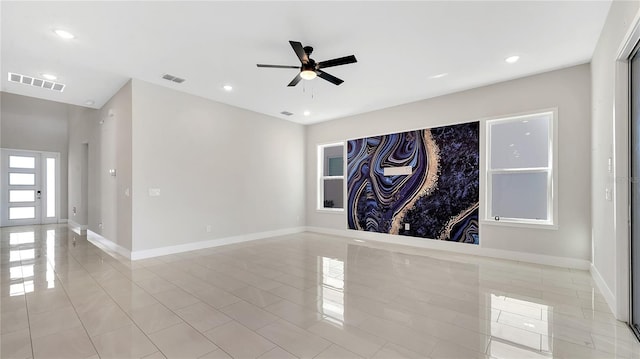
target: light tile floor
299 296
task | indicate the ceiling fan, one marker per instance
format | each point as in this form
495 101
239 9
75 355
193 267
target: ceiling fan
309 69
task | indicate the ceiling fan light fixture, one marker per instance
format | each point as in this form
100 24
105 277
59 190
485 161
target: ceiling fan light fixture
308 74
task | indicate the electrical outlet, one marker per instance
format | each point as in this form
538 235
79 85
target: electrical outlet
407 227
100 225
208 228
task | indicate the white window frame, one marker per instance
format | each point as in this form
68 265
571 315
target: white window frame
552 170
321 178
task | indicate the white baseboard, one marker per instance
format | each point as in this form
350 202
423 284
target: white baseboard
63 221
458 248
607 293
103 243
76 227
192 246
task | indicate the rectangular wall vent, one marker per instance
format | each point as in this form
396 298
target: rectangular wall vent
35 82
173 78
286 113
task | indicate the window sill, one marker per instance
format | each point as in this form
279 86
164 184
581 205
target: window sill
330 210
508 223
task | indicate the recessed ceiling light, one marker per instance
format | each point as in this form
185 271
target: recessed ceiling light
512 59
439 75
49 76
64 34
511 145
527 133
89 102
227 88
307 113
525 121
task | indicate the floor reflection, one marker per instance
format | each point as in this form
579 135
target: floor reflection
528 333
23 261
331 304
308 294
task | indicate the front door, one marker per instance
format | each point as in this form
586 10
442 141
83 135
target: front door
29 188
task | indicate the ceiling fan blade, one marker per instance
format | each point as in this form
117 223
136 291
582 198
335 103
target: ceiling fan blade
295 80
297 47
337 62
279 66
334 80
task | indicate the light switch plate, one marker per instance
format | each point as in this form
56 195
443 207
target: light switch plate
154 192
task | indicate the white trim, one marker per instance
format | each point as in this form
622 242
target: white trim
506 222
107 245
621 160
551 170
76 227
469 249
192 246
330 210
602 286
63 221
321 177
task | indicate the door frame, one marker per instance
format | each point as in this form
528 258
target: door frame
41 184
622 185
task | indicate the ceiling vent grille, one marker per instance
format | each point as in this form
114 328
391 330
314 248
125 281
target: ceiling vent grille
173 78
286 113
35 82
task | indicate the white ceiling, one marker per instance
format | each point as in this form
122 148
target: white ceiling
399 46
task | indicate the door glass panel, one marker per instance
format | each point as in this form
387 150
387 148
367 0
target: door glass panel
22 179
22 162
51 187
22 212
22 196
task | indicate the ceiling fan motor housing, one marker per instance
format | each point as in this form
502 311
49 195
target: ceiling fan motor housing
308 50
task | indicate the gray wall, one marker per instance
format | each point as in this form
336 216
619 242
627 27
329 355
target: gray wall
567 89
109 204
83 124
237 171
105 208
609 140
39 125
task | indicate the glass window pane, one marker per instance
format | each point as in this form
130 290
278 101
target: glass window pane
22 179
335 166
519 195
332 161
521 143
333 193
22 195
22 212
51 187
22 162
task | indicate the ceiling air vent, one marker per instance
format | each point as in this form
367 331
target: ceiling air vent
286 113
35 82
173 78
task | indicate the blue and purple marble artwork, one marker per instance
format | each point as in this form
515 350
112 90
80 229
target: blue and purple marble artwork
439 199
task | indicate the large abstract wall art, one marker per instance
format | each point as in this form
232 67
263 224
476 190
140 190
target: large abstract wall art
438 200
